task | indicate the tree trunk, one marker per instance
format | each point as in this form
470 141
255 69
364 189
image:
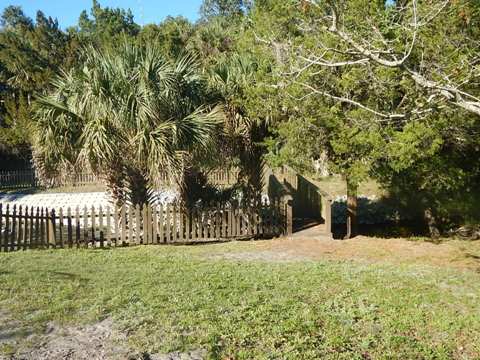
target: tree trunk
352 223
431 223
138 192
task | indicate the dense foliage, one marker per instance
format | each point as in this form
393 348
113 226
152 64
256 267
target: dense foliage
376 89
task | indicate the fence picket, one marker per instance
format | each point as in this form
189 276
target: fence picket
109 227
77 227
60 227
93 227
52 240
42 228
174 222
153 210
85 226
137 224
130 225
7 229
32 216
124 225
224 222
167 223
144 217
69 228
101 230
13 232
181 237
25 232
188 219
19 228
117 224
161 227
37 227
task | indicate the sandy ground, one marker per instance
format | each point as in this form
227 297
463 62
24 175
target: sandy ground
100 341
452 253
72 200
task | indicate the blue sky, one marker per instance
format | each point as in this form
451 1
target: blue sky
145 11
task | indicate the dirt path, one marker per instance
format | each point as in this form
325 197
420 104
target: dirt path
99 341
457 254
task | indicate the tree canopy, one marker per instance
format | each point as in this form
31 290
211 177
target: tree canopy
375 89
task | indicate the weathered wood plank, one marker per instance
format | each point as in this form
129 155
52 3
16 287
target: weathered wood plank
69 228
117 224
167 223
138 226
42 228
26 227
14 225
31 234
93 225
123 220
109 227
174 222
161 224
153 209
130 225
188 219
144 212
60 227
37 228
101 230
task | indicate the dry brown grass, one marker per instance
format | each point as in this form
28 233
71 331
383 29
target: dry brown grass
450 253
336 186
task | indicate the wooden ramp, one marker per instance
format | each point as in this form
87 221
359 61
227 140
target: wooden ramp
316 231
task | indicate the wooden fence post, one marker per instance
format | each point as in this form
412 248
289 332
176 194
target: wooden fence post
161 227
288 221
25 230
328 215
145 224
51 229
14 220
77 227
20 228
137 224
69 228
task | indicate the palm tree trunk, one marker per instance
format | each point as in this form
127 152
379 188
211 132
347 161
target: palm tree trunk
138 187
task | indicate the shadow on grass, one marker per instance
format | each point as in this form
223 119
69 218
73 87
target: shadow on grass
408 230
60 275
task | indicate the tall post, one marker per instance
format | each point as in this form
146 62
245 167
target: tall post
51 228
352 189
288 205
328 216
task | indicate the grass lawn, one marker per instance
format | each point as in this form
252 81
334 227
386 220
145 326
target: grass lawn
240 300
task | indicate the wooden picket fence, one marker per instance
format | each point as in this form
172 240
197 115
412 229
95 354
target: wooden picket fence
41 228
18 179
28 178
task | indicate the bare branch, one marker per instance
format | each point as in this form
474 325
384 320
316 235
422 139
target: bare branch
451 93
335 64
352 102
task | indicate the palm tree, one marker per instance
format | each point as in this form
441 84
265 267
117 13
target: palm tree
128 114
244 134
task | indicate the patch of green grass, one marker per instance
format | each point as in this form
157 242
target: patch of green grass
177 298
